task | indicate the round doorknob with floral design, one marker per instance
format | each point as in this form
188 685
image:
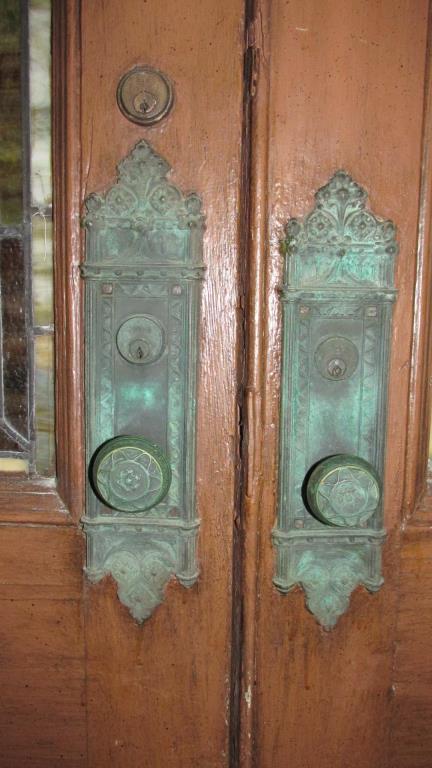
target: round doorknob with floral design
130 474
343 490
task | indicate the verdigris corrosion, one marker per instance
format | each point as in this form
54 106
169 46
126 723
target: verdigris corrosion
337 301
143 271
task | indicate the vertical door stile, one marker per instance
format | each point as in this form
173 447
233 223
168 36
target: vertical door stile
161 691
347 91
256 319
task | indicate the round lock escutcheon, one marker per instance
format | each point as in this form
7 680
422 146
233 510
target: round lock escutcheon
336 358
145 95
343 490
141 339
130 474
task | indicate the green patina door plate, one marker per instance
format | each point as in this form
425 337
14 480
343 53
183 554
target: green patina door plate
337 300
143 272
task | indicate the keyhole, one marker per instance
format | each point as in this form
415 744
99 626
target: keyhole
144 102
139 350
144 106
336 368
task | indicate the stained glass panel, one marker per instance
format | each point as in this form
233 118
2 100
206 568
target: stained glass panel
11 165
26 279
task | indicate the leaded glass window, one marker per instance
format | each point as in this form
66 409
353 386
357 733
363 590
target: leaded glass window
26 295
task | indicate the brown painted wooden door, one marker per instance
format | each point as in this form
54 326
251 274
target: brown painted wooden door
340 85
270 99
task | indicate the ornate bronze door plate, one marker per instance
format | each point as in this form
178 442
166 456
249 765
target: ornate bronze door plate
337 305
143 272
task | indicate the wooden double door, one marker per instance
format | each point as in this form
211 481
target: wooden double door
271 98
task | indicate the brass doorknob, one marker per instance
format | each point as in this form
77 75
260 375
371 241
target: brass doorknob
130 474
343 490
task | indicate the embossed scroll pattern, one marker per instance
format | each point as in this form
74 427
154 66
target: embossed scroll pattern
143 269
341 243
337 297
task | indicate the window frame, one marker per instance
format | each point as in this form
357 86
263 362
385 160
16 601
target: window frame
61 500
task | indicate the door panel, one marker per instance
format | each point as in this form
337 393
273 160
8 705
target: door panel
43 715
411 739
346 91
229 672
162 689
86 685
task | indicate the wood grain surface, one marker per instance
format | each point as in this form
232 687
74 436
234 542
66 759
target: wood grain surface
411 735
346 91
418 431
271 97
161 692
42 649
